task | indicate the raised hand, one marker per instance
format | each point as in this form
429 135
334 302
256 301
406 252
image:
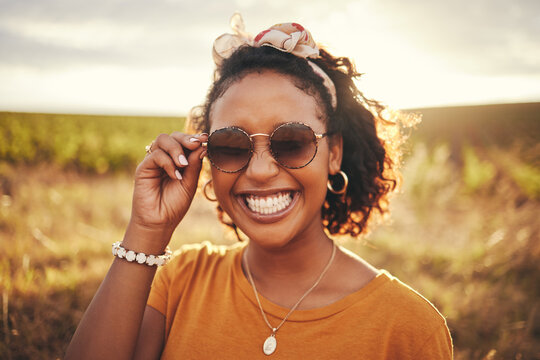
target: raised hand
165 183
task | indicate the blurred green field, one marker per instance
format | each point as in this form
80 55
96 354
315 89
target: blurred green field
85 143
464 230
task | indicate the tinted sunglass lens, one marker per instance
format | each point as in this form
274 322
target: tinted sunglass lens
293 145
229 149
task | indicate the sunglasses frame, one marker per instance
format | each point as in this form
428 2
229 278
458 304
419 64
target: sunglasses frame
316 136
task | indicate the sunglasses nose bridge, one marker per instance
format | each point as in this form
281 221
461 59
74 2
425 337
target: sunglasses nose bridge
262 165
261 145
259 134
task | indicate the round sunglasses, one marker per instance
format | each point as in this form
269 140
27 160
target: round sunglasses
293 145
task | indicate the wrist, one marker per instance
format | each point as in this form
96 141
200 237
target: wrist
129 255
149 240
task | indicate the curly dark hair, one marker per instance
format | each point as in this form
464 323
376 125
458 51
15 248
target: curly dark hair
371 141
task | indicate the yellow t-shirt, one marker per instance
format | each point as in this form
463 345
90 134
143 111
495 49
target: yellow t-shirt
211 313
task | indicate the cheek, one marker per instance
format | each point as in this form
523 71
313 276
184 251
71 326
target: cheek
222 185
318 188
315 177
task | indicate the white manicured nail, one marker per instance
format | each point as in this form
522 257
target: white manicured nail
182 159
194 140
178 175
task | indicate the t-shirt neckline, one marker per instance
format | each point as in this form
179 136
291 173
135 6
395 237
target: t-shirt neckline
280 312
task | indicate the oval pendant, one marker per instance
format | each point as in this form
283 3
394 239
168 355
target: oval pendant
270 345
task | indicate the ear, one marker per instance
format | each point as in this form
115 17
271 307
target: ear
335 145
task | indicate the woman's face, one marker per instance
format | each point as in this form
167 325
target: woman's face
258 104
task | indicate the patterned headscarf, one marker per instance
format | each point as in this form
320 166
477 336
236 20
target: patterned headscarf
287 37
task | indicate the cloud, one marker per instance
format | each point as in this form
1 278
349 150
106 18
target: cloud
143 12
481 36
485 36
411 50
49 46
51 34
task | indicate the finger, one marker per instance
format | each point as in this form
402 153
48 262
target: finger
189 141
173 148
160 159
191 172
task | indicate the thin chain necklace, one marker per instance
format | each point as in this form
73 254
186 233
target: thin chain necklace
270 343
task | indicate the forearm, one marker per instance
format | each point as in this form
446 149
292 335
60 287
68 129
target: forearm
109 329
110 326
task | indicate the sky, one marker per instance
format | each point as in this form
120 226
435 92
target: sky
153 57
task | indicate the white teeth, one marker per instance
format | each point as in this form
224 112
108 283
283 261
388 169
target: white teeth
269 204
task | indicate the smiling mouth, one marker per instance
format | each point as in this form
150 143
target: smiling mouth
270 204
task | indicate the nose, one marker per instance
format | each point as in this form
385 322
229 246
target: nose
262 165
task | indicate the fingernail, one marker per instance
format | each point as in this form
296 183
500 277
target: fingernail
203 134
203 154
194 140
178 175
182 159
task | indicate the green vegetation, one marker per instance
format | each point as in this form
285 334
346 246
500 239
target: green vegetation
464 231
88 143
476 173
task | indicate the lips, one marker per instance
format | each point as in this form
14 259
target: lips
269 204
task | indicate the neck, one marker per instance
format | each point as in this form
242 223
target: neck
300 261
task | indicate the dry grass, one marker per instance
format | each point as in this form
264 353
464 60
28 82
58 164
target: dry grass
465 233
56 229
474 251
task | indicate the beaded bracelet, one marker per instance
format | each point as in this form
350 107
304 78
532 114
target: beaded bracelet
158 260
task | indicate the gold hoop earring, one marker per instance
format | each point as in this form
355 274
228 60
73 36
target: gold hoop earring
341 191
205 193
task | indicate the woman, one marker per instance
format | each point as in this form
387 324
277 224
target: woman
295 156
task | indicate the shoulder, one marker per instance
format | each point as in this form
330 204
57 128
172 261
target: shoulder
397 291
191 266
205 250
412 318
200 256
392 294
